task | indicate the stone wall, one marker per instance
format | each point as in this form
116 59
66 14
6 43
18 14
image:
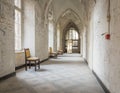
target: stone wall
35 35
41 34
114 48
7 54
19 59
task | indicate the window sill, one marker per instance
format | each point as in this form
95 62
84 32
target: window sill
19 51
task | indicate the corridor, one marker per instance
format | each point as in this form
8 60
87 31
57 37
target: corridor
66 74
50 27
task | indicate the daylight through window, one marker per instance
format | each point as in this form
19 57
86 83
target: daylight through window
17 24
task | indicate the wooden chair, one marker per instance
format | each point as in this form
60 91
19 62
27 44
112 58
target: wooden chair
29 59
51 53
60 52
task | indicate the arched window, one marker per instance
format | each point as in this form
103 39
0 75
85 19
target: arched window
72 40
51 34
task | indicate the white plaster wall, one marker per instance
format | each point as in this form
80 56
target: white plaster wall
106 52
7 54
29 25
90 42
84 43
101 49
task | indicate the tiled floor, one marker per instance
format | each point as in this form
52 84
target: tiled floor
66 74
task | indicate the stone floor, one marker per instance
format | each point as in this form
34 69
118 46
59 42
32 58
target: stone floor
66 74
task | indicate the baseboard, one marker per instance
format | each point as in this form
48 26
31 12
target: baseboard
22 66
19 67
85 61
101 83
44 60
7 76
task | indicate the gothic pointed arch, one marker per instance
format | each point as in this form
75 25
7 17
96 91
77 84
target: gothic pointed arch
71 38
67 16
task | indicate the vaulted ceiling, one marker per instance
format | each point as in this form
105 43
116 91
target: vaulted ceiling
69 16
64 11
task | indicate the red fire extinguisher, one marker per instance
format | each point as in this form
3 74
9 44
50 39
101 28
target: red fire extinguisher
107 36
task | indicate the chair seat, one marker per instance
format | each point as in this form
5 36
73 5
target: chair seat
60 52
53 53
32 58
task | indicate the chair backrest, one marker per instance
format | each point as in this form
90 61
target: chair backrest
27 52
50 50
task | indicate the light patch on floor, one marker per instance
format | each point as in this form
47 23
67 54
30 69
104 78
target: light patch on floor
66 74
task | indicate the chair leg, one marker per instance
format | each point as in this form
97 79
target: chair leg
26 66
35 66
39 64
29 64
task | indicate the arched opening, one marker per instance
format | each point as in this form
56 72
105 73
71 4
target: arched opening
69 22
71 39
